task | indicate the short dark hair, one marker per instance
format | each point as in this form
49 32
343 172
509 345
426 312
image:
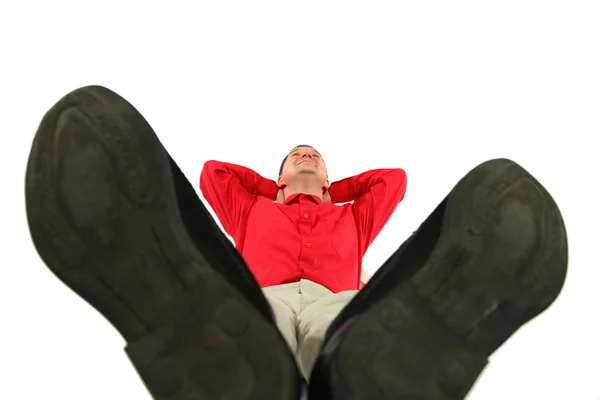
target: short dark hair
288 154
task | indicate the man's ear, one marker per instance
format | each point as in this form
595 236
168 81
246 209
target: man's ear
326 185
281 182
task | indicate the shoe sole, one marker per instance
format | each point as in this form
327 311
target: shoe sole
103 215
500 260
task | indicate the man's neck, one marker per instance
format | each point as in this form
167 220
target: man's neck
304 188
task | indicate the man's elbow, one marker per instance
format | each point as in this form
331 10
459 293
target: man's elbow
400 174
207 175
401 181
209 169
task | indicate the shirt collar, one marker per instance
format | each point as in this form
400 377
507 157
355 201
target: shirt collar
296 197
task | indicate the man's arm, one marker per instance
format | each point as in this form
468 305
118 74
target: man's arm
231 189
376 194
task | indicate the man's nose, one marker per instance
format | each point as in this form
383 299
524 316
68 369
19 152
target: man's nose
307 155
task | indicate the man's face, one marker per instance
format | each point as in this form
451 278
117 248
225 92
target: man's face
304 160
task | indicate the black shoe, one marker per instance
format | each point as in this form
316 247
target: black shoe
107 210
491 257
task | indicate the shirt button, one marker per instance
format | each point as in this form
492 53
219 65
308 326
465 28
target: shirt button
307 244
305 215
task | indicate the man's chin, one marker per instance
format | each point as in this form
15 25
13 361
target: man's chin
312 171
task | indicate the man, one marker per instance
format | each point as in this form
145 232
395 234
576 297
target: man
305 252
114 218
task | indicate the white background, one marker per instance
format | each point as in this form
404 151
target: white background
434 88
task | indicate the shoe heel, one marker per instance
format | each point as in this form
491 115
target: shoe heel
414 356
234 354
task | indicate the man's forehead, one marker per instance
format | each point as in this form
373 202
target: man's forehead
303 147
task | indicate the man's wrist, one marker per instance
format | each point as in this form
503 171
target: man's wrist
340 192
267 188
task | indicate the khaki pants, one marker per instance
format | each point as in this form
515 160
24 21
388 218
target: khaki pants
303 311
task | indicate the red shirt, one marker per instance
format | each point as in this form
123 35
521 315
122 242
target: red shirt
303 238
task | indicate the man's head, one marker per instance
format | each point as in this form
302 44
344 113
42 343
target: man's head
301 166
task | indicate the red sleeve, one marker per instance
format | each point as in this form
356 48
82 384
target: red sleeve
376 194
231 190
